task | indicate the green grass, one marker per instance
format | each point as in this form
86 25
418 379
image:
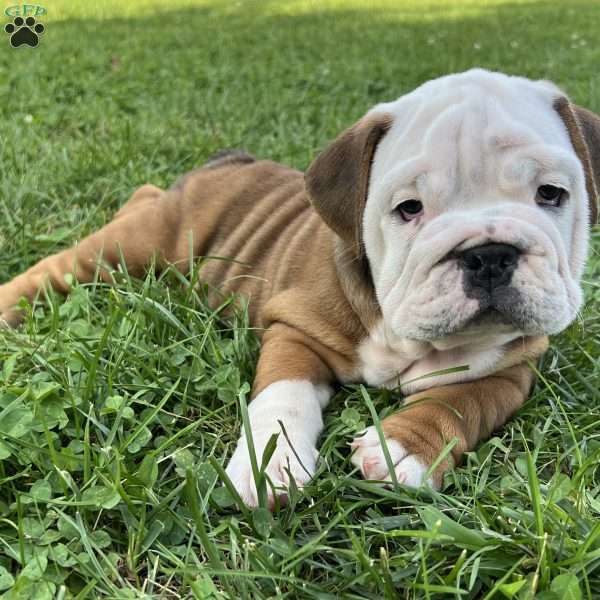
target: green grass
119 407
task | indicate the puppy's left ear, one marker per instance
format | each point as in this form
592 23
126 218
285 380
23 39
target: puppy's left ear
584 130
338 179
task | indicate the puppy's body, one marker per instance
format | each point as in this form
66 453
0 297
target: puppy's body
345 292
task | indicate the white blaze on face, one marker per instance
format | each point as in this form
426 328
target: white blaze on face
474 148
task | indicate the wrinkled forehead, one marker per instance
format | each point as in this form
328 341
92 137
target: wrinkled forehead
471 114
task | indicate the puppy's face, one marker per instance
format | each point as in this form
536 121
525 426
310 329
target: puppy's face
476 218
477 213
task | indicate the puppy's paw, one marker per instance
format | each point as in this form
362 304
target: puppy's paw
282 464
410 468
296 404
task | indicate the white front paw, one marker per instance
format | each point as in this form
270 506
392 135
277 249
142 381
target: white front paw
282 464
369 457
297 404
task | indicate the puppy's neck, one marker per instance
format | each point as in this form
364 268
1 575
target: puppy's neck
412 365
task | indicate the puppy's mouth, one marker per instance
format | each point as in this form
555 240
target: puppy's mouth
489 317
501 309
488 320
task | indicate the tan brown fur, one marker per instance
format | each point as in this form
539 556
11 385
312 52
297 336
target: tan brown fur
465 412
284 261
524 349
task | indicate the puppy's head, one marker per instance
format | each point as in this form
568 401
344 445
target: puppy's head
470 199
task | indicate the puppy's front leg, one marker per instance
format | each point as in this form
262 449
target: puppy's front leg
291 389
467 412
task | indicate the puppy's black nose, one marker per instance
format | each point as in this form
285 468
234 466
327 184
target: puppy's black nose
489 266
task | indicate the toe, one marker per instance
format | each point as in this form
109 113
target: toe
370 459
374 468
290 468
369 437
240 475
282 465
411 471
247 492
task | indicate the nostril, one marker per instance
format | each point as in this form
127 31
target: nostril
508 261
472 261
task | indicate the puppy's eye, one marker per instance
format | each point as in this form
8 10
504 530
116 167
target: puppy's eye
550 195
409 209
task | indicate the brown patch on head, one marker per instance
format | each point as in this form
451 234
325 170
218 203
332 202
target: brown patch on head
338 179
583 127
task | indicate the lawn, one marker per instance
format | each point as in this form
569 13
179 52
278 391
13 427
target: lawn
120 406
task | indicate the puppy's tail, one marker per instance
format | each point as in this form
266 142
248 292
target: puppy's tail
229 156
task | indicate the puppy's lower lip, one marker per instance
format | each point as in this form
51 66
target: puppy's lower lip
490 316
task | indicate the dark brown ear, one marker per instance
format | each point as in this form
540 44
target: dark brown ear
338 179
584 130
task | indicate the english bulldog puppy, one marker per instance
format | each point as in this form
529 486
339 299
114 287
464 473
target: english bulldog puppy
446 228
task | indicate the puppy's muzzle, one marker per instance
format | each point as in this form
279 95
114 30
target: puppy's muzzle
488 267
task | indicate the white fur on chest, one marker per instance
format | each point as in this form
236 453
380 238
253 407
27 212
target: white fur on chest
414 366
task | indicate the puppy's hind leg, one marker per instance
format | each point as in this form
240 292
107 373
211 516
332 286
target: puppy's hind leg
149 226
143 195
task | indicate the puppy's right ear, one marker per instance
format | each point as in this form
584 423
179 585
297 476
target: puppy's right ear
338 179
584 130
